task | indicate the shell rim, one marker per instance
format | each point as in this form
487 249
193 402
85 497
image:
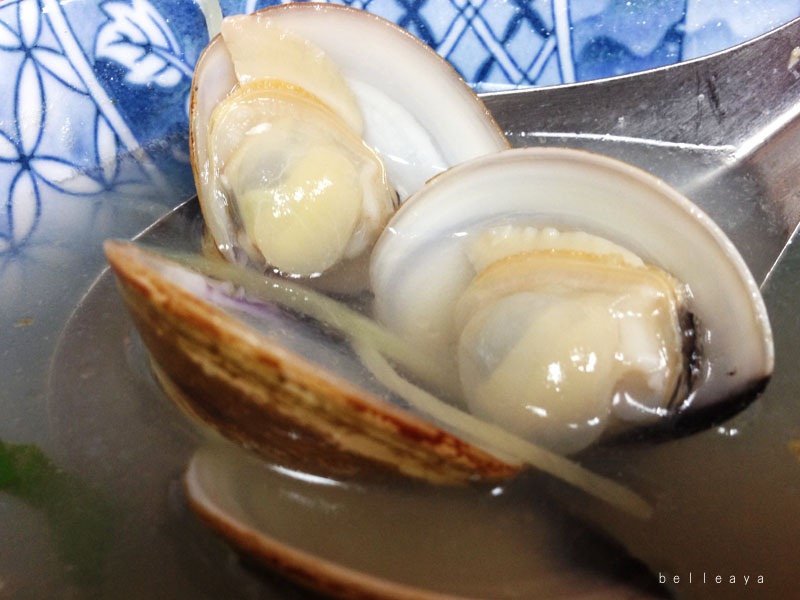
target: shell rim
302 566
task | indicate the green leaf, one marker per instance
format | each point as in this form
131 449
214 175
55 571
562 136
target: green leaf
81 520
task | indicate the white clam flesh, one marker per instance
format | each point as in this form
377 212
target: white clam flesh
576 295
308 126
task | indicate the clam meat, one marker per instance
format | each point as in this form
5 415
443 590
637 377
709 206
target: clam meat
576 296
310 123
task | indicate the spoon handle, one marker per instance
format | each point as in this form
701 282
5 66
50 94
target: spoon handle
741 97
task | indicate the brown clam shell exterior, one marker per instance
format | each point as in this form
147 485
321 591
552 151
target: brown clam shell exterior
274 401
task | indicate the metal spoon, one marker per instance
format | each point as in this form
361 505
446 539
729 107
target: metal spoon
720 129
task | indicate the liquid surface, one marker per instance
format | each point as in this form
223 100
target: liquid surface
115 429
510 543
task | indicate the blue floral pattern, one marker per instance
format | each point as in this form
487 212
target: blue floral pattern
93 95
64 128
137 37
501 44
36 60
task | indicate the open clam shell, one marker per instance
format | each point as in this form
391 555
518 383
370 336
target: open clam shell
282 388
340 73
421 268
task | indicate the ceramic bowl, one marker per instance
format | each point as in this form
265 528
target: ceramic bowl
93 95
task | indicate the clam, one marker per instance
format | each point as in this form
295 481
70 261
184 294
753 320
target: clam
527 303
577 297
310 123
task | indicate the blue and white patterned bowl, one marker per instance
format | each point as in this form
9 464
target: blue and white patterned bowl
93 95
